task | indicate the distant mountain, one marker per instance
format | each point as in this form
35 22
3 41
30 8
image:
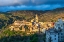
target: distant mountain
48 15
9 17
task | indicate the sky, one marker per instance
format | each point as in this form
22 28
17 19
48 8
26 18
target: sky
9 5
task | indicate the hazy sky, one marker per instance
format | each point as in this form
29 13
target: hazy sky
6 5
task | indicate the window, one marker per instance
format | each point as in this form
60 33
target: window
58 33
61 36
61 33
58 24
55 38
58 36
59 27
63 23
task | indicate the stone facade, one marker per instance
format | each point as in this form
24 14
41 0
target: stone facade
33 26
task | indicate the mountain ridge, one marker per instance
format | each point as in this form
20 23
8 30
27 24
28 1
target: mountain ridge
7 18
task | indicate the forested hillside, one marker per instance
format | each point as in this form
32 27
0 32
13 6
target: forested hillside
8 18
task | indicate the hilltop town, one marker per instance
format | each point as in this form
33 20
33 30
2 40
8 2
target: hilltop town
36 26
33 26
54 31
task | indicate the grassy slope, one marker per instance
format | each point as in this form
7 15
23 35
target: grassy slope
8 18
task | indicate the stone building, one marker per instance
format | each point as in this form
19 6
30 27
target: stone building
33 26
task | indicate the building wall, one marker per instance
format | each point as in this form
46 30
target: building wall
57 36
54 37
47 36
51 37
59 26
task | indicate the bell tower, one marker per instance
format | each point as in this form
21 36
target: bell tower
36 18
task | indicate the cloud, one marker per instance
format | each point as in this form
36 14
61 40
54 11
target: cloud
24 7
12 2
7 5
29 2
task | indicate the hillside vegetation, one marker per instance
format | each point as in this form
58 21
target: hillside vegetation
8 18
